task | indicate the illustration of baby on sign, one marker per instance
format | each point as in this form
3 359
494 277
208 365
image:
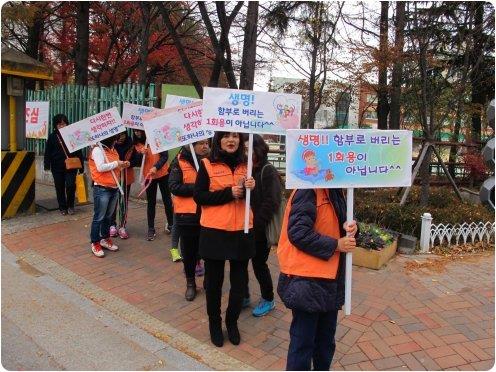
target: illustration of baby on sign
312 172
287 114
166 135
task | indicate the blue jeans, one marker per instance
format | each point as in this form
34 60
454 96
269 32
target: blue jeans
311 339
105 202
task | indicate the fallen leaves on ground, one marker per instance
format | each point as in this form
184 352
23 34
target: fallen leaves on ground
447 254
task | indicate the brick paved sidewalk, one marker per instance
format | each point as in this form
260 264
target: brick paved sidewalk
401 320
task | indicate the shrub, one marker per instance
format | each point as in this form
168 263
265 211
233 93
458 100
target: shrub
381 206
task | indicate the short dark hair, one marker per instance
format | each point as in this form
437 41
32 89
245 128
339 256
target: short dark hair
58 119
141 140
109 141
216 151
260 149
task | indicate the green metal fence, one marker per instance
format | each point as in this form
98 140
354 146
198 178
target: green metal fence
79 102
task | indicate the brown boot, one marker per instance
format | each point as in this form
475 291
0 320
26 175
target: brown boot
190 289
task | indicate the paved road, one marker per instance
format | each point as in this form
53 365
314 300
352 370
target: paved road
47 326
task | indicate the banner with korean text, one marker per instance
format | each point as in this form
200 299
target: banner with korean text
348 158
92 130
172 100
37 119
250 112
174 127
132 115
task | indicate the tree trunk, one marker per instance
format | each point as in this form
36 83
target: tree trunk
454 138
145 35
382 93
33 43
311 87
476 76
249 47
180 49
425 176
399 41
82 42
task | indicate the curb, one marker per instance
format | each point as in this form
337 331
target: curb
203 353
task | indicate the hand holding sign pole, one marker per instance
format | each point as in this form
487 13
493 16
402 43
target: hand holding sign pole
112 171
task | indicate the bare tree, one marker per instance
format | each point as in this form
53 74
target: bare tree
82 42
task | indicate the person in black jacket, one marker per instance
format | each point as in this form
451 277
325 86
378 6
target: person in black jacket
125 148
182 179
55 154
220 191
265 201
314 239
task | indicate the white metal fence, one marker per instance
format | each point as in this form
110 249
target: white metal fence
439 234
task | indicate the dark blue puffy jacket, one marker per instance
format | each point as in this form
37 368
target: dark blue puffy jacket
313 294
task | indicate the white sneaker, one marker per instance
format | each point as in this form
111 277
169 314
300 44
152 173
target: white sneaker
107 243
96 248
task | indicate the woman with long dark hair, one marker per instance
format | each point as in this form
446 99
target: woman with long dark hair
220 191
156 168
55 154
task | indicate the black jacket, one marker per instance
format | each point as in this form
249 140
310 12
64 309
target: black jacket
122 150
218 244
177 187
313 294
55 156
265 198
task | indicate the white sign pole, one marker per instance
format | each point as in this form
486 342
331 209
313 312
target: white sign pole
193 154
112 171
349 255
248 175
143 163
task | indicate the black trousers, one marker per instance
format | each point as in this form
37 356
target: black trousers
65 188
261 271
151 198
311 340
214 276
190 238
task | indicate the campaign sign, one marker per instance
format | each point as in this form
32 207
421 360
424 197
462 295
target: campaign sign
132 115
37 119
174 127
246 111
172 100
92 130
348 158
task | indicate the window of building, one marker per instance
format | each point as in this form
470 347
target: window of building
371 114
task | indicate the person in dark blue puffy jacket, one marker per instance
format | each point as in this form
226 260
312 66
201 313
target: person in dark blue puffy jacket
314 239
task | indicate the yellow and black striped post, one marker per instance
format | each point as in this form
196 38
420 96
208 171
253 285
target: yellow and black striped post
18 182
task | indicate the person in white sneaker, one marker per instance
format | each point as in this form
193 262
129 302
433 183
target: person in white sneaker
105 193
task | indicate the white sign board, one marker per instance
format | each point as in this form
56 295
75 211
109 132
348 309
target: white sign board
172 100
345 158
132 115
246 111
92 130
37 119
174 127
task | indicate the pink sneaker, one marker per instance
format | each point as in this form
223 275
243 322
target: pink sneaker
123 233
113 231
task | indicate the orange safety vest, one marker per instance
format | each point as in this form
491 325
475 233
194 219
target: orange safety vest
229 216
293 261
104 178
185 204
150 161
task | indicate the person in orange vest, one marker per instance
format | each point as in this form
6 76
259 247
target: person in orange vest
220 191
314 239
105 192
156 168
186 213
